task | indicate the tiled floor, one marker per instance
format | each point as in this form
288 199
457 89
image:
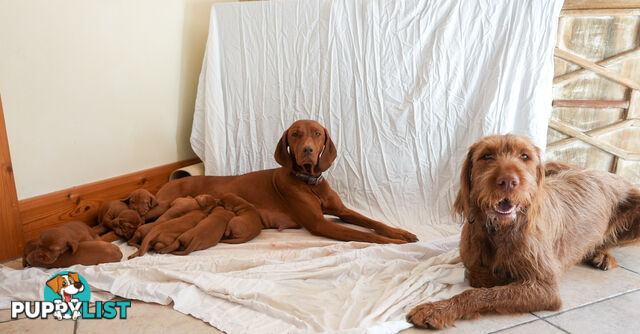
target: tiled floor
594 301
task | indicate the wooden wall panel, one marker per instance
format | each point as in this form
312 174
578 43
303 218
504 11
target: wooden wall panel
11 240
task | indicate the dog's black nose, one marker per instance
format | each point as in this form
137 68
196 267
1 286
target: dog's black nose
508 182
77 285
307 149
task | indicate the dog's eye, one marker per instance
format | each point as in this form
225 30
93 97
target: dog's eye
524 156
295 134
487 156
318 133
64 283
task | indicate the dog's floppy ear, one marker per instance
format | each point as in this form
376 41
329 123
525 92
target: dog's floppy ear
329 154
153 202
461 204
540 167
127 199
55 283
282 151
73 244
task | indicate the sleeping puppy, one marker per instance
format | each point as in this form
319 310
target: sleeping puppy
127 222
142 201
163 235
88 253
124 226
247 223
107 213
206 234
56 241
179 207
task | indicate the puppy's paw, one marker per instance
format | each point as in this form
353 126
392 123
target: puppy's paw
432 315
603 261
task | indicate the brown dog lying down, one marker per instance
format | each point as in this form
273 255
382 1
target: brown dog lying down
179 207
295 194
526 223
163 235
88 253
54 242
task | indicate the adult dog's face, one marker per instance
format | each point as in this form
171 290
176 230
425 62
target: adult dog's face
500 178
306 147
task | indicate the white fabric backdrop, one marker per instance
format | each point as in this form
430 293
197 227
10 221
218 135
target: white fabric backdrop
404 87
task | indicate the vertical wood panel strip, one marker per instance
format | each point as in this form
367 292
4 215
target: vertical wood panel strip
10 223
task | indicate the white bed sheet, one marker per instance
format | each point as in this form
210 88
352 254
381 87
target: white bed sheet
404 88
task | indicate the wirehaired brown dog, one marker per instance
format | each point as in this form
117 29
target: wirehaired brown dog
525 225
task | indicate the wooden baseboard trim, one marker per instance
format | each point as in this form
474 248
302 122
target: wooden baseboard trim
82 202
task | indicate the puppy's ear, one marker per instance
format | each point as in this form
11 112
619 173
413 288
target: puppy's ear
540 167
127 199
54 284
153 202
329 154
461 204
282 152
73 244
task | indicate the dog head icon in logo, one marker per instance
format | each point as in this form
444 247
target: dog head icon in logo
67 287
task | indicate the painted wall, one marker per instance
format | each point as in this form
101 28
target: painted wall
94 89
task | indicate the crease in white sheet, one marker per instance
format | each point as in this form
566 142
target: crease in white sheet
404 87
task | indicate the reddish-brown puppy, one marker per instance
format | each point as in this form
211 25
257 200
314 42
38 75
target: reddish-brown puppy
523 230
293 195
163 235
246 224
206 234
88 253
142 201
107 213
127 223
179 207
56 241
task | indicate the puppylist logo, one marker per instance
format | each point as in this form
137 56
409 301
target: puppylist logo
66 296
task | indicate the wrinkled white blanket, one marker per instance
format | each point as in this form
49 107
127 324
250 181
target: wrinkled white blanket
404 87
281 282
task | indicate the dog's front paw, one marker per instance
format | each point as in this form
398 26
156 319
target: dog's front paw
432 315
603 261
398 233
